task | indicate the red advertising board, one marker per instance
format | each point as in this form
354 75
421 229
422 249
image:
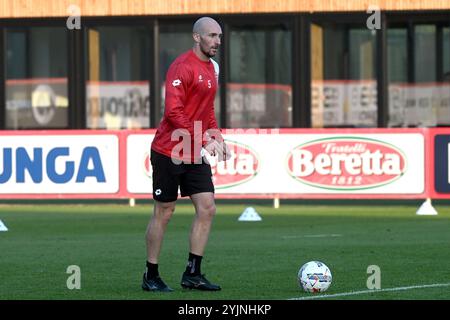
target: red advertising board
410 163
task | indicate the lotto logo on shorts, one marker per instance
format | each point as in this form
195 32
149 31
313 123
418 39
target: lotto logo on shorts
176 82
158 192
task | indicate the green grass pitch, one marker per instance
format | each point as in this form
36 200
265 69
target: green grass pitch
250 260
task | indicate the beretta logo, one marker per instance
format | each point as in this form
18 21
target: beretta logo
242 167
346 163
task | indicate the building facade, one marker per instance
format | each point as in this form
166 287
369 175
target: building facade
292 64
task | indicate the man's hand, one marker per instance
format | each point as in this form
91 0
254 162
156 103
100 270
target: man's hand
226 153
220 149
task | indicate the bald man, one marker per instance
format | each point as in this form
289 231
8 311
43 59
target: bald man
191 85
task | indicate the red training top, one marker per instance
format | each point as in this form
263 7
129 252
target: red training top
191 86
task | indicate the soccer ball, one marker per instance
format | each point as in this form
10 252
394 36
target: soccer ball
314 276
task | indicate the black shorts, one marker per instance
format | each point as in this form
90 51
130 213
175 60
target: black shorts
168 176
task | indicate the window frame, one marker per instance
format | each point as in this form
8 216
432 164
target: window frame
291 21
114 21
410 19
27 24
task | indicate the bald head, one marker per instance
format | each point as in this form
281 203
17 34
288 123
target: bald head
205 25
207 35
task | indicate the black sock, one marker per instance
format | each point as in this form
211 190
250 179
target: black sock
151 270
194 264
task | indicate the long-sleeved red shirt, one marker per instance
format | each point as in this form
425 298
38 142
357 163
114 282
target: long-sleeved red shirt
191 86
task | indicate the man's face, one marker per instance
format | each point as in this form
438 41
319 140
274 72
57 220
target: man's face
210 40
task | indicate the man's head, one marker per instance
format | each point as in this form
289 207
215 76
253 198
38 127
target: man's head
207 35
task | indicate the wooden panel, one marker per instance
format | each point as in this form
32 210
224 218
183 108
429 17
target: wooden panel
316 52
94 76
58 8
317 75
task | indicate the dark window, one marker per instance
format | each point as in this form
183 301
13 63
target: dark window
118 73
417 95
259 89
343 76
443 114
446 53
36 78
397 47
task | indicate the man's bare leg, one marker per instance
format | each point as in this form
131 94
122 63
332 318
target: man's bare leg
162 212
205 210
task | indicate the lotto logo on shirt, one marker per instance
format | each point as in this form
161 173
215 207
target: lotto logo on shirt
176 82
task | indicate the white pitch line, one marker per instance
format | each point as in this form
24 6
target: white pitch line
352 293
313 236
